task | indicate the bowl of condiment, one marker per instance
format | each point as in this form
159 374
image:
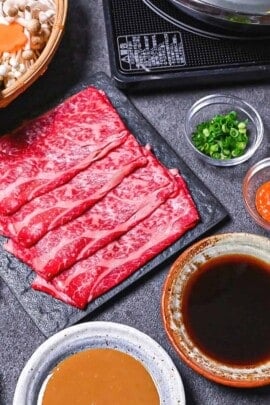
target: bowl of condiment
215 308
101 363
223 130
30 33
256 192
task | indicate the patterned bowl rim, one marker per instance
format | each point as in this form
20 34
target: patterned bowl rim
177 336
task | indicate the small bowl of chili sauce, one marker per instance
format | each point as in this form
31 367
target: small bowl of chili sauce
216 305
256 192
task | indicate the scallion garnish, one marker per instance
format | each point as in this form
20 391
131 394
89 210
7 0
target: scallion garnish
222 137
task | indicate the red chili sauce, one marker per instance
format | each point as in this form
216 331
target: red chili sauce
262 201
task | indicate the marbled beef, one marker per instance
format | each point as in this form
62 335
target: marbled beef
50 150
59 206
113 263
135 198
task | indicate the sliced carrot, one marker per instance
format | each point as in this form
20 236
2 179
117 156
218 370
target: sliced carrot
12 37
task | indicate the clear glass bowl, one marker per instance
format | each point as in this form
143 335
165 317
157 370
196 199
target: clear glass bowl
254 178
207 107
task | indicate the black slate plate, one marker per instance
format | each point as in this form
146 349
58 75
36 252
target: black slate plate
51 315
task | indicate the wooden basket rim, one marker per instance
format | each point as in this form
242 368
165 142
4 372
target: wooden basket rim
40 65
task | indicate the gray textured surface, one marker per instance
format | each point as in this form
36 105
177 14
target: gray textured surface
82 53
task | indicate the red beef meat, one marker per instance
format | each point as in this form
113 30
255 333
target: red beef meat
61 205
115 262
135 198
50 150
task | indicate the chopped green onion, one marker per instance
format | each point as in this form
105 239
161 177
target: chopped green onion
233 132
222 137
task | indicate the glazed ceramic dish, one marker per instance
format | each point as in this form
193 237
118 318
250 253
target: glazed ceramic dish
177 281
100 335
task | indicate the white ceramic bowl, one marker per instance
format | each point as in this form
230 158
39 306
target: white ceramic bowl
97 335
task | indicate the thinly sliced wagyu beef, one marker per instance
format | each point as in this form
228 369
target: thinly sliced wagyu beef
51 150
135 198
113 263
61 205
84 204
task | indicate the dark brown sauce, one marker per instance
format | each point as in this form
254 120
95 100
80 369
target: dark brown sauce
226 309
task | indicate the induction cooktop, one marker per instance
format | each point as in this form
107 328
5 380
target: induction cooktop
153 44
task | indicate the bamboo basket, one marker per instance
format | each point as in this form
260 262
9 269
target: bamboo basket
40 65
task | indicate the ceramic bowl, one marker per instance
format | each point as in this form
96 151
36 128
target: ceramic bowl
208 107
257 175
100 335
176 283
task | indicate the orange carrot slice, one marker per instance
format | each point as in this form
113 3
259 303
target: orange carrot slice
12 37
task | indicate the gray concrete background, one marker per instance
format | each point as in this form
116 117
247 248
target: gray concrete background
83 52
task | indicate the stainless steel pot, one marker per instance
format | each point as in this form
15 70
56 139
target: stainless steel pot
234 15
